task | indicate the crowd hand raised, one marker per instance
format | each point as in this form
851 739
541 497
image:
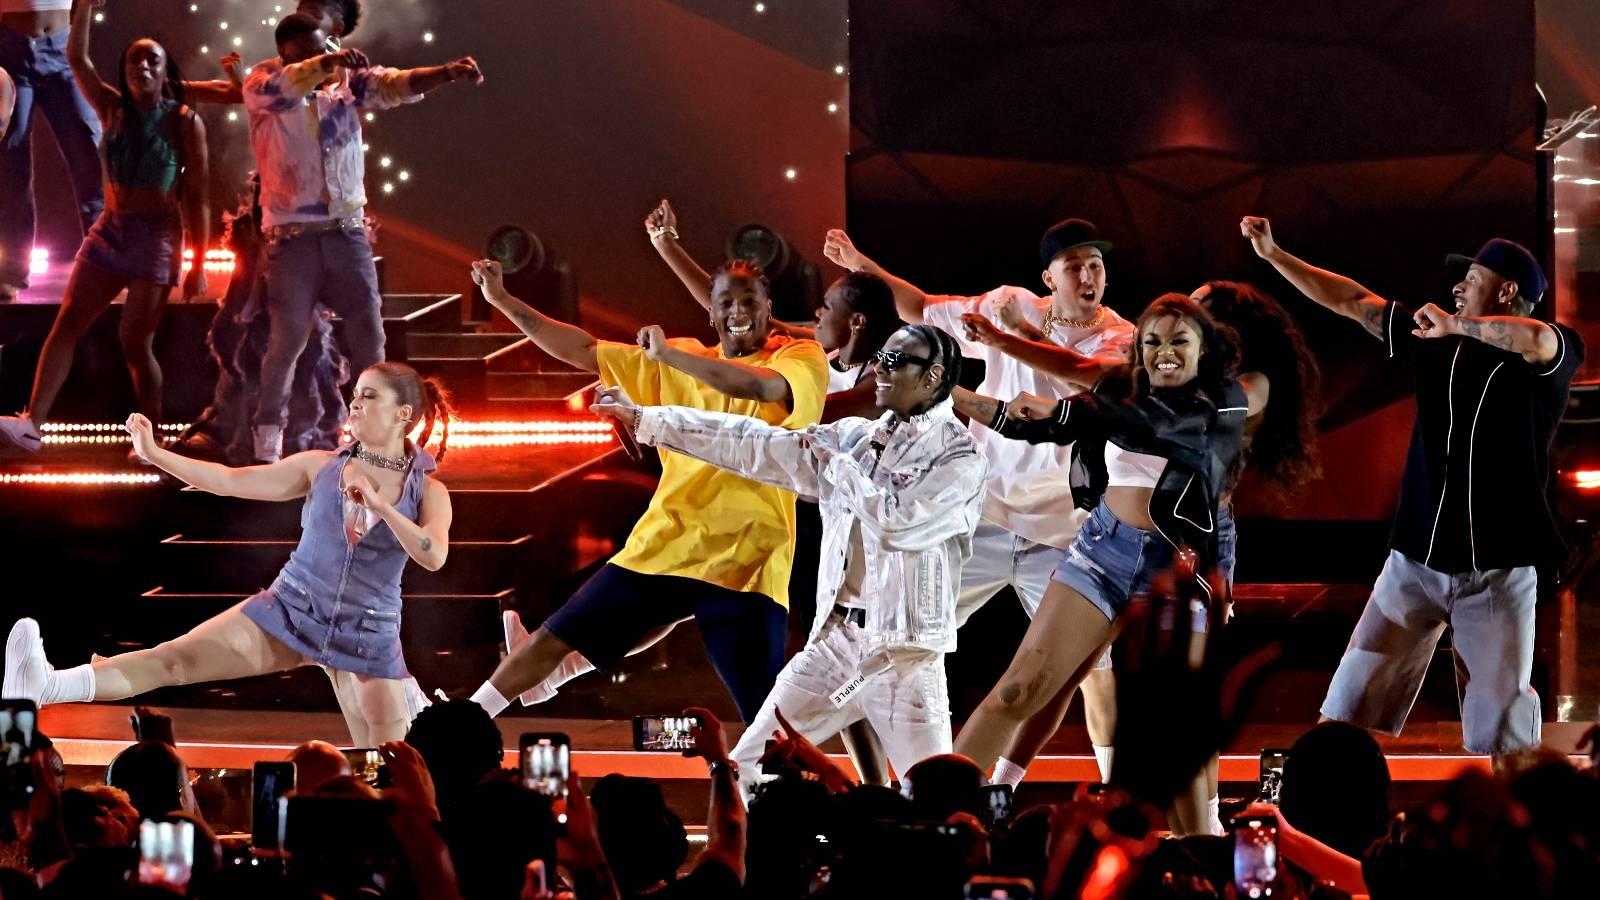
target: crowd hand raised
411 777
465 67
150 724
143 435
1191 682
980 330
662 217
653 341
710 743
1031 406
1259 232
579 849
839 250
1433 322
791 749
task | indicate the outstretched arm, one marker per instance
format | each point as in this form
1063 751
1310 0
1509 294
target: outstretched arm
662 227
1537 342
909 299
728 376
229 90
283 480
739 444
196 201
568 343
427 78
100 95
1332 290
1074 368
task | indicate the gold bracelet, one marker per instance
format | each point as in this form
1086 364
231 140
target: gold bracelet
665 229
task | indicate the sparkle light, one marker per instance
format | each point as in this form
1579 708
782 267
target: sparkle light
405 175
427 37
204 49
39 261
76 479
238 42
218 262
371 117
194 7
790 173
388 187
833 107
233 116
223 25
761 7
99 17
385 162
839 69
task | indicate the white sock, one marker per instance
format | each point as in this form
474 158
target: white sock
1007 772
1214 816
74 685
571 666
490 699
1102 759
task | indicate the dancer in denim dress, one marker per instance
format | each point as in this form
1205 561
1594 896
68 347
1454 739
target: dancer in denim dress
369 508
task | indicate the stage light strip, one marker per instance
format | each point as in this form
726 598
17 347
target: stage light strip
93 427
78 479
519 440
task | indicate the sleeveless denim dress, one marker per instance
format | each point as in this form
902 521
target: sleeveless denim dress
337 603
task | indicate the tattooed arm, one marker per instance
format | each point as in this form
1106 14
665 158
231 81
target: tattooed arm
1330 289
1532 339
976 407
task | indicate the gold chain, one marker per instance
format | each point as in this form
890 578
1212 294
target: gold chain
1051 320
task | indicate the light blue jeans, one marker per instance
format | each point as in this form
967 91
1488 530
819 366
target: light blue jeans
44 84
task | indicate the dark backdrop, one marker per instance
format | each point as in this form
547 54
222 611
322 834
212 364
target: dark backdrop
1378 136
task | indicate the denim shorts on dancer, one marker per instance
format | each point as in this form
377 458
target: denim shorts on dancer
1110 561
136 247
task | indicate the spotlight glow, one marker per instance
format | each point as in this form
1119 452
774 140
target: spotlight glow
388 187
427 37
833 107
839 69
39 261
790 174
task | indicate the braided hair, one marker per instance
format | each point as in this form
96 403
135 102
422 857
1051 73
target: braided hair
743 268
944 351
428 400
871 296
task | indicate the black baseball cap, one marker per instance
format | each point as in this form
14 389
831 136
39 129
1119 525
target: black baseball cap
1070 234
1511 261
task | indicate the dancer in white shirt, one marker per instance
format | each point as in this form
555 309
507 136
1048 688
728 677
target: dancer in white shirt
900 496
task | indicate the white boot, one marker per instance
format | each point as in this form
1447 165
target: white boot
269 443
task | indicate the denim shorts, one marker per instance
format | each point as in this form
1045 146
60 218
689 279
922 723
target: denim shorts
136 247
1110 561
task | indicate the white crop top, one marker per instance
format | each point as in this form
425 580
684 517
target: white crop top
14 6
1124 468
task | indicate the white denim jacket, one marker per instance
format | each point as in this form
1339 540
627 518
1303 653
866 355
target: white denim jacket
917 499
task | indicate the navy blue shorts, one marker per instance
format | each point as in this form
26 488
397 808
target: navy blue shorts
743 631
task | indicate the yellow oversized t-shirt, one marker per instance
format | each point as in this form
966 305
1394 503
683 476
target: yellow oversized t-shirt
704 522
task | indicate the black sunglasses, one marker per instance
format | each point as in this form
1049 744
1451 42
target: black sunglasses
894 359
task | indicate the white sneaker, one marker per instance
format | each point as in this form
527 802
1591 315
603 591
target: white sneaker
515 633
269 443
27 670
19 432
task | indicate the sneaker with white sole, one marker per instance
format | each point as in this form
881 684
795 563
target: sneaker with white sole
19 432
516 634
27 670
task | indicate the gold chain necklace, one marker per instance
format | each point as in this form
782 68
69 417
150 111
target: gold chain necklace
1051 320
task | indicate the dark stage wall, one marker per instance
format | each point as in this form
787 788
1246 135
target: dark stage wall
1377 135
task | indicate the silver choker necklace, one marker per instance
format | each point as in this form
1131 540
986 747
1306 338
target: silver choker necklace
382 462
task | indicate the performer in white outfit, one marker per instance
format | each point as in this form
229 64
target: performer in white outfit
1052 346
901 496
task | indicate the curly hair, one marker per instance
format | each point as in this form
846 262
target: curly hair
1283 451
1219 345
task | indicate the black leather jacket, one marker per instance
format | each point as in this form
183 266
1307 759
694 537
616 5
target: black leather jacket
1199 433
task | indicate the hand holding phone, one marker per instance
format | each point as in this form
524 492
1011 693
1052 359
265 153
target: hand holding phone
269 782
546 759
665 734
1255 856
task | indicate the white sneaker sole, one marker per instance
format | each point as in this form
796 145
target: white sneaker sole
515 634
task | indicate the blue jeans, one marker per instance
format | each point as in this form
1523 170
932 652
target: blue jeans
333 268
1110 561
44 82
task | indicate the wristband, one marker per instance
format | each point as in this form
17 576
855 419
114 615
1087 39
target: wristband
667 230
721 766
